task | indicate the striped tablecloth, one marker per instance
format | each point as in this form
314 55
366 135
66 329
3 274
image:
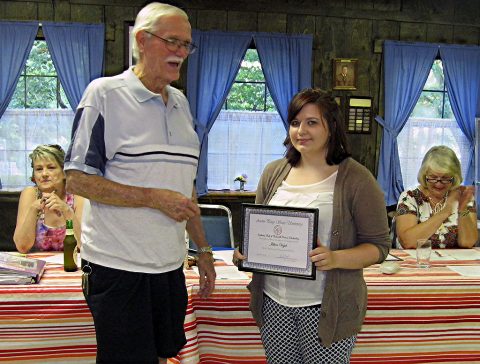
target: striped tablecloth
415 316
421 315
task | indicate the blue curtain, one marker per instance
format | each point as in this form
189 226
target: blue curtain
407 66
286 61
461 65
211 72
287 64
16 41
77 51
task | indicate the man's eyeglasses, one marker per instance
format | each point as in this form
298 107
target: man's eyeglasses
444 181
174 45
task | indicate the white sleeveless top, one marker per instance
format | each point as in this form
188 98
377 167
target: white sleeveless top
294 292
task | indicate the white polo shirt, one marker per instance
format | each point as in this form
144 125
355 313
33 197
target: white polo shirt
126 133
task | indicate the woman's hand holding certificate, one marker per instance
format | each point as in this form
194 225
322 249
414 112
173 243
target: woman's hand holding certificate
323 257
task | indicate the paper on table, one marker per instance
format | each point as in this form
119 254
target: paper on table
463 254
225 255
440 254
448 254
54 259
58 259
227 272
466 270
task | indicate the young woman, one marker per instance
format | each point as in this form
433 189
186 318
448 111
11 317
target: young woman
303 321
44 208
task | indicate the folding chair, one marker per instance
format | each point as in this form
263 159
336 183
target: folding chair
217 223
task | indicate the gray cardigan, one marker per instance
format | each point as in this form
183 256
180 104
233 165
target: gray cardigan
359 216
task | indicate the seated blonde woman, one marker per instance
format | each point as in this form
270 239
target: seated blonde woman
44 208
439 209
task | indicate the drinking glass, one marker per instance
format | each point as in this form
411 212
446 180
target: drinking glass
424 250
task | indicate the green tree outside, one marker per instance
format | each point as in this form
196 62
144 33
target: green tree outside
431 103
38 86
249 91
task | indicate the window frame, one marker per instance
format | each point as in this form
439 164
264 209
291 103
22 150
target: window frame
263 82
24 76
443 91
232 166
57 109
410 165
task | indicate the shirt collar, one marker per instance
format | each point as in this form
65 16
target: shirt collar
137 88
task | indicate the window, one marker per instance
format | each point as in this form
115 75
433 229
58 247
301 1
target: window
249 90
248 132
39 113
431 123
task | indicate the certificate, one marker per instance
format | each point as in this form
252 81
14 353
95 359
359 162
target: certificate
277 240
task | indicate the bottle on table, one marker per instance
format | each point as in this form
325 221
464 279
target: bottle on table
69 249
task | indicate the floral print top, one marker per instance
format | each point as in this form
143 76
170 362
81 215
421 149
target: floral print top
415 202
51 238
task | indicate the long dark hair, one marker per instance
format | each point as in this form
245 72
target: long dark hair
337 145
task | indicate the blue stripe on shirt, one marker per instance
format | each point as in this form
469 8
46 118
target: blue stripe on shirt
96 154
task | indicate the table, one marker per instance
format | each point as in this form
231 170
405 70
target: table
46 322
420 315
415 316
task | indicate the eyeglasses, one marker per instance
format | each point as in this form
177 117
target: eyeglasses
174 45
443 181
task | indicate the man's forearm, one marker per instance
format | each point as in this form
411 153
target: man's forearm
195 231
100 189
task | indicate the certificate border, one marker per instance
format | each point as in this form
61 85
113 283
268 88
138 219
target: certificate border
309 272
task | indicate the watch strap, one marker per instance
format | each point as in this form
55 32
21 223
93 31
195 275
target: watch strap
205 249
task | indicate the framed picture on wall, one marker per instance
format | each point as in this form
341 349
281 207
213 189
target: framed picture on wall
344 74
128 38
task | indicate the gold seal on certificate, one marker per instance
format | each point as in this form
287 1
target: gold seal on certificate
277 240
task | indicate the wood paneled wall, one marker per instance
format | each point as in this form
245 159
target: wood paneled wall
341 29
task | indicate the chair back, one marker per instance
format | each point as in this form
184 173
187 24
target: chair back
393 236
217 224
8 218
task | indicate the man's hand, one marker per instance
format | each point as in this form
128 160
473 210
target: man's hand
174 204
96 188
207 274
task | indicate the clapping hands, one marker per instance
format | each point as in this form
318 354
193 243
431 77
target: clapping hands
462 194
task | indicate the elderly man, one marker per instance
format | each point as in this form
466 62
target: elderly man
134 155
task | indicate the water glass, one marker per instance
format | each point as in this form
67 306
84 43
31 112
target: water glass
424 250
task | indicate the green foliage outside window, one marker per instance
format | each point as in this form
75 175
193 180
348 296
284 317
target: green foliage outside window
249 91
38 86
434 101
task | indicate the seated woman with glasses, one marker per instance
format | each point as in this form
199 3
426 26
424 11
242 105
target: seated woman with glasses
44 208
439 209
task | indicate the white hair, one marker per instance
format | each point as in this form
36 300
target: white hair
148 18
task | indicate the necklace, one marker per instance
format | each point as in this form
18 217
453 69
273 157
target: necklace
438 206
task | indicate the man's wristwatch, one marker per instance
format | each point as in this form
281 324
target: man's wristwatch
205 249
